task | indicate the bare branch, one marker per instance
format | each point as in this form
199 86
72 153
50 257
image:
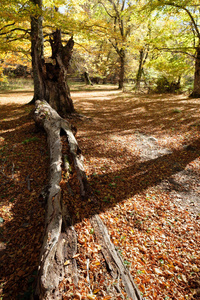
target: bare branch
106 9
7 26
22 37
15 29
123 4
83 47
189 14
173 50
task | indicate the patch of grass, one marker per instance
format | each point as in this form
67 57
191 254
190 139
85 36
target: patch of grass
176 110
17 83
33 139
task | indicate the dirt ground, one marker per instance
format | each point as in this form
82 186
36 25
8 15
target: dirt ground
142 160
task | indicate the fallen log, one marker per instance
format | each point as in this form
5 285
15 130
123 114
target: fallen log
59 243
59 235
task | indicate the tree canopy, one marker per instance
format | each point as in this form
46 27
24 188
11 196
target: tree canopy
115 40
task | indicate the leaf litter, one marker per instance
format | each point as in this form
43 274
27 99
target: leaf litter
142 163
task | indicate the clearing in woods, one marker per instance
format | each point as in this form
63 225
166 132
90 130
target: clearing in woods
142 160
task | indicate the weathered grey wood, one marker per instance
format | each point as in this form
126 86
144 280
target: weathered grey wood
77 157
113 259
47 273
54 249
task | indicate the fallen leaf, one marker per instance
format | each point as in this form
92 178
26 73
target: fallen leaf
76 255
91 297
158 271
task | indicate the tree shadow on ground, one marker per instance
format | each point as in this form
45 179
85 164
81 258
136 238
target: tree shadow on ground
114 187
23 156
147 113
7 92
23 224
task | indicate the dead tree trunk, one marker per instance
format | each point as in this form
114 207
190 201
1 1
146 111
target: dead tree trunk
55 249
50 78
57 89
59 243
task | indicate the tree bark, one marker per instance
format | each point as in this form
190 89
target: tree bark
59 242
50 79
55 73
122 68
140 70
143 57
87 78
196 90
37 53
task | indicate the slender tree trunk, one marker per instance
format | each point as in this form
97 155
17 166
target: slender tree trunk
143 57
87 78
140 70
37 53
196 90
122 68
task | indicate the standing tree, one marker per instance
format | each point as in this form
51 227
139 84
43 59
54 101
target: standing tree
18 29
110 21
50 79
37 45
14 35
117 12
188 12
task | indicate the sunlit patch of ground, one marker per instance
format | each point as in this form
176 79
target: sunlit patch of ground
142 162
17 97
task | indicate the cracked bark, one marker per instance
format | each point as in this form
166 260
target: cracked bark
59 242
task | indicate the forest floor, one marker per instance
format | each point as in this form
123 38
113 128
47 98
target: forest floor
142 160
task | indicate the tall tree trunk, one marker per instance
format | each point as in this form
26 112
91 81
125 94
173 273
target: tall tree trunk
122 68
50 79
143 57
196 91
37 52
140 70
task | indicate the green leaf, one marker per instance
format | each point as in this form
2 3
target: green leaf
126 262
92 230
162 261
30 140
113 184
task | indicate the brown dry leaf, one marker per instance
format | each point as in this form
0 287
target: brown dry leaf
67 262
126 168
91 297
76 255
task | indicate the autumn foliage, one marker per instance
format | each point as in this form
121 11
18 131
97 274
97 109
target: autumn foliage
142 164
